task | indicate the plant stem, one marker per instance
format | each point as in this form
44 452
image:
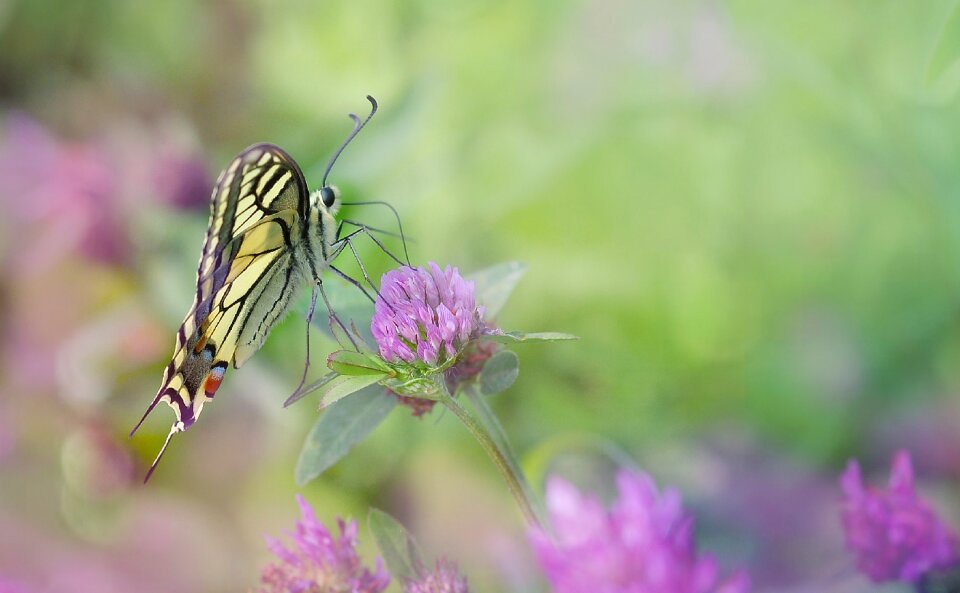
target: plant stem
501 455
489 420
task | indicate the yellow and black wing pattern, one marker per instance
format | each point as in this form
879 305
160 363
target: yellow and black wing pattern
245 278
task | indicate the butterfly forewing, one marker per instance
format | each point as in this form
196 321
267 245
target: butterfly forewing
261 181
246 275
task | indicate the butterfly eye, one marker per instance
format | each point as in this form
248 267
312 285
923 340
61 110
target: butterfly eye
328 196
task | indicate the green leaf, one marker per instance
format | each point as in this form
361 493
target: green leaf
535 337
349 362
399 549
493 285
946 53
499 372
339 428
343 385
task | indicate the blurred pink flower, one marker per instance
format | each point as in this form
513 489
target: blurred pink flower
445 578
10 586
59 196
894 533
76 196
183 181
643 544
320 563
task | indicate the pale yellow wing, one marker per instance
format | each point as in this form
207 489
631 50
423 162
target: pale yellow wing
245 277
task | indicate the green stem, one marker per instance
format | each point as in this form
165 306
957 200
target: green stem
489 420
501 455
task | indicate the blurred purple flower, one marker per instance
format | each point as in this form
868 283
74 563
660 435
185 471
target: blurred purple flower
60 195
424 315
183 181
75 196
445 578
894 533
320 563
643 544
10 586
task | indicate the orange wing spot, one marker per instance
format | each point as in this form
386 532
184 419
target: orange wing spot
203 336
213 381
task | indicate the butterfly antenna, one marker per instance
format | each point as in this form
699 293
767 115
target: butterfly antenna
396 215
173 430
357 126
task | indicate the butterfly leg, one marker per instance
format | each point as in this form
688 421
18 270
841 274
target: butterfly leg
340 246
368 231
363 269
396 215
341 242
333 319
353 281
345 242
306 366
370 228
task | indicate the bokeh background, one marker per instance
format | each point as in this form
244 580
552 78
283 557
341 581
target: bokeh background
749 211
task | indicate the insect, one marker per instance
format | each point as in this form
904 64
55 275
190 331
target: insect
267 236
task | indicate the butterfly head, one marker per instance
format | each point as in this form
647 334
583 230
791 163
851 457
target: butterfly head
328 197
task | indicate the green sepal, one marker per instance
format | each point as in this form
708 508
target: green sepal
420 386
343 385
535 337
349 362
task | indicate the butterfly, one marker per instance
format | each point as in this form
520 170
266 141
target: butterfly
268 234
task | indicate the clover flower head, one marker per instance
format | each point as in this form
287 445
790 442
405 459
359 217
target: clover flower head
425 315
320 563
444 578
894 533
643 544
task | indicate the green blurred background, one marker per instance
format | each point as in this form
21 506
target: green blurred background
749 212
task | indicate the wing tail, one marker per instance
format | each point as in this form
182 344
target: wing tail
150 408
177 427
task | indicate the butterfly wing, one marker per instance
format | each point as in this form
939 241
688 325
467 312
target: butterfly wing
245 278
